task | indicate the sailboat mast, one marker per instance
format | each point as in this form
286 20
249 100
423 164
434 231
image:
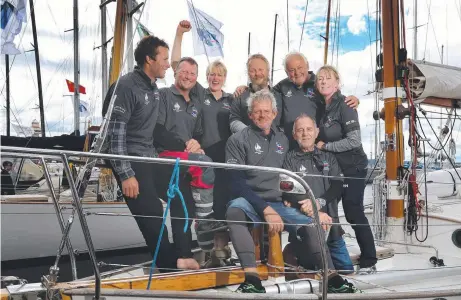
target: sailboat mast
273 48
392 99
129 36
7 66
415 35
327 34
119 41
104 78
37 67
76 72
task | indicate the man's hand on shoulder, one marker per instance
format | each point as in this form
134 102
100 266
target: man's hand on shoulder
273 219
130 187
352 102
240 90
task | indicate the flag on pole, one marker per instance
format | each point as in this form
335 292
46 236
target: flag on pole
71 87
142 30
84 109
13 14
206 34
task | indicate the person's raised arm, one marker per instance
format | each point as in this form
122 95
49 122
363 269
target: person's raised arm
183 26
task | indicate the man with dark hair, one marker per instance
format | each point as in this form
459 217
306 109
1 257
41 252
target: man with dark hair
7 182
131 131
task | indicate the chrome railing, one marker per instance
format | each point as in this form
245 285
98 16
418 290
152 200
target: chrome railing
63 155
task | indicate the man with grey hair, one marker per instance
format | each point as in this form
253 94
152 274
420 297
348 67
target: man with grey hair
297 94
258 73
256 196
322 172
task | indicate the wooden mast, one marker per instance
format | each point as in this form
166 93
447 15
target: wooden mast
392 99
119 41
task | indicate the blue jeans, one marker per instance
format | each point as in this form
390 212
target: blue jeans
289 215
340 256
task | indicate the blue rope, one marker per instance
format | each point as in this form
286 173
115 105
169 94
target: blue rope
173 190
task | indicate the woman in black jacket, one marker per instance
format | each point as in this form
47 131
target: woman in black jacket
340 134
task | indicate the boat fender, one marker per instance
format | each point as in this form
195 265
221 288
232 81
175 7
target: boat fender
456 238
437 262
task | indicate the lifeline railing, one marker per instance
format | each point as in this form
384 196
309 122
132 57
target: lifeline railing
63 155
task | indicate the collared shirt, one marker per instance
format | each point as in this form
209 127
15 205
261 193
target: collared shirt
133 119
239 118
251 147
295 101
313 167
339 120
181 116
215 124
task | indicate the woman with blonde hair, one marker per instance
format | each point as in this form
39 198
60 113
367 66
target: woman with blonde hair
340 134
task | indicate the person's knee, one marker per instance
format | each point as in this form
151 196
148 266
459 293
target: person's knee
235 214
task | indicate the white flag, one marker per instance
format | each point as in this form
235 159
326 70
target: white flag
84 109
13 14
208 39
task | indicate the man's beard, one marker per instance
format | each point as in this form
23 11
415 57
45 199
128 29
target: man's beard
258 87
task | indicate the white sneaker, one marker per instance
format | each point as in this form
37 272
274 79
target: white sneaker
366 271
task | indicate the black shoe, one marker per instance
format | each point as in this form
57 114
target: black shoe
249 288
346 288
210 225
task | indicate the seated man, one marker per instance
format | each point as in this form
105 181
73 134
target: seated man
257 198
309 160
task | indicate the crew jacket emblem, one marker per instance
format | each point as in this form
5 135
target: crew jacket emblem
302 169
207 102
289 94
194 112
146 100
176 107
280 149
258 149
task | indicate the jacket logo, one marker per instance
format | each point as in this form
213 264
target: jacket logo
225 105
194 112
279 148
258 149
310 92
207 102
302 169
146 99
176 107
289 94
326 166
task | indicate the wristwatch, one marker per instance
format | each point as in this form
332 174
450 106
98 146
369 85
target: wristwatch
322 202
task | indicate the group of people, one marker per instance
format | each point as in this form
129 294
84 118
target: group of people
303 124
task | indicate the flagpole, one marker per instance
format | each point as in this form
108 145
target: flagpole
7 66
249 43
37 67
273 49
76 73
196 24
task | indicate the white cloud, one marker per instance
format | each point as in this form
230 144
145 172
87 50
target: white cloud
356 24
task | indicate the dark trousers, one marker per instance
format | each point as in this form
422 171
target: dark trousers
353 194
148 204
182 240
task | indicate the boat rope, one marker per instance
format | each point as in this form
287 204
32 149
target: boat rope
173 191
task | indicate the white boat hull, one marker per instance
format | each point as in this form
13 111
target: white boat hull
31 230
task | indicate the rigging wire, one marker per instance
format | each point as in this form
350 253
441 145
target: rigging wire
304 23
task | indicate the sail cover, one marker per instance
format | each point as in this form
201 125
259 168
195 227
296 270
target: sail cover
430 80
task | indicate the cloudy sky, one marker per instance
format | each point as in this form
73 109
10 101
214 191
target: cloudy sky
354 54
